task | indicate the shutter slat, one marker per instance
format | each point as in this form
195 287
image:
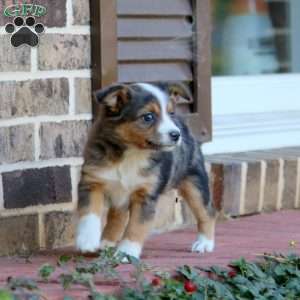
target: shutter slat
154 50
155 72
154 28
154 7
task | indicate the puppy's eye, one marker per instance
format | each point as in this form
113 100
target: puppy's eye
171 113
148 118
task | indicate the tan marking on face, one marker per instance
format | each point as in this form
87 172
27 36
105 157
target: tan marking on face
116 101
205 223
116 224
133 135
152 107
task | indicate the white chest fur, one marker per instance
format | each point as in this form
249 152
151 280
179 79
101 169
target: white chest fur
125 177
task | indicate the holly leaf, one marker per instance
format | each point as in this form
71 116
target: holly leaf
46 271
63 259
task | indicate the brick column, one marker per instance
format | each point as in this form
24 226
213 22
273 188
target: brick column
45 113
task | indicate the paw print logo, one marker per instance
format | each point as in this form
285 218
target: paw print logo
24 31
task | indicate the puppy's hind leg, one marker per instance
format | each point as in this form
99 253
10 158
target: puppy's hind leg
90 207
204 213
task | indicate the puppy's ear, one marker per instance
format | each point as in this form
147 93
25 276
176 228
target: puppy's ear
114 98
179 93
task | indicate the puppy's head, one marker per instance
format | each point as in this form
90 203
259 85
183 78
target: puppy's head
143 115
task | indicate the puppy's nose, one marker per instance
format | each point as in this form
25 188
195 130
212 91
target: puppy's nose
174 135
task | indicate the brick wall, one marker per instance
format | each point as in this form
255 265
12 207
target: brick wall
45 112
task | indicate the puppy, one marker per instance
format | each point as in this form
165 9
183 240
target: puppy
138 149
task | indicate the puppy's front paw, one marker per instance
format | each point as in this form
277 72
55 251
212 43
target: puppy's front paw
203 244
88 233
130 248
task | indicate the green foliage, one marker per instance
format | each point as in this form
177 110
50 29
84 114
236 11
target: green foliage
46 271
6 295
20 288
63 260
22 283
275 277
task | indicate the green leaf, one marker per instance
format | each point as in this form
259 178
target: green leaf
22 282
46 271
66 280
6 295
63 259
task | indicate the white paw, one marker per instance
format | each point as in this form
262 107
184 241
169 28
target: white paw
130 248
107 244
88 233
203 244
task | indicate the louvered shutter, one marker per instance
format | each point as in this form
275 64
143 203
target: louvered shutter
152 41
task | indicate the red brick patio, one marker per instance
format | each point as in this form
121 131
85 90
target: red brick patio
246 237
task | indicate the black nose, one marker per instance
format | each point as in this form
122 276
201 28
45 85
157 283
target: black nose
174 135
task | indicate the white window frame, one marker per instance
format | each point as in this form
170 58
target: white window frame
259 111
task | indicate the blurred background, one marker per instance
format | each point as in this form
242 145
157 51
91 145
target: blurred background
255 74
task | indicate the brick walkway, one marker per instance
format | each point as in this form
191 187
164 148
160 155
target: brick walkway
246 237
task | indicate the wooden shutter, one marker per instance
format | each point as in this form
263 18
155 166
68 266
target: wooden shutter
152 41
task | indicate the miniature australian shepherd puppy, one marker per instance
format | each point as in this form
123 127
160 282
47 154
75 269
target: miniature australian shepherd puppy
138 149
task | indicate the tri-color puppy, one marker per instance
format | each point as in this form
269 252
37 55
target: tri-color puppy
137 150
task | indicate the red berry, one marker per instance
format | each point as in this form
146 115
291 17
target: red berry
155 281
232 273
190 287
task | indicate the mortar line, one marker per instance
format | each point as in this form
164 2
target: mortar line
45 119
69 11
74 183
280 184
72 30
37 141
244 171
72 104
57 162
34 60
47 74
42 231
38 209
263 171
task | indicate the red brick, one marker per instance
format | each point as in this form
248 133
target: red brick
36 186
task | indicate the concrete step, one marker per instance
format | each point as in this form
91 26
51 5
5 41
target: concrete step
256 181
